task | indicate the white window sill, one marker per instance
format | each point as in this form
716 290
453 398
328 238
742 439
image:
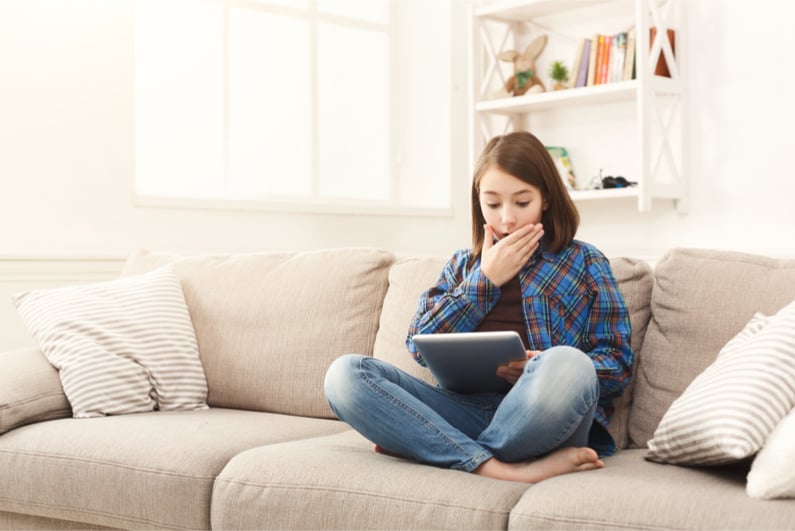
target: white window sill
308 206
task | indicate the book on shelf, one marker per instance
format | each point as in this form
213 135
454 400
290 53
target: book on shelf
563 164
582 69
605 61
600 51
661 68
592 60
575 65
629 59
618 55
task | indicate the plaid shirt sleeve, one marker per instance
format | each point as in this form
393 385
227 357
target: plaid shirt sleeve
608 330
457 302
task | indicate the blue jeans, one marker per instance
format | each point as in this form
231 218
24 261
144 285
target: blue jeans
551 406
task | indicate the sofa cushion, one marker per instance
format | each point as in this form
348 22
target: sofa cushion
144 471
342 483
410 277
772 474
121 346
268 325
16 521
632 493
700 300
728 411
634 278
30 390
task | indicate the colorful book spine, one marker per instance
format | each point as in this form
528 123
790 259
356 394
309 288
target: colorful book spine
582 72
629 58
575 65
605 60
593 74
619 52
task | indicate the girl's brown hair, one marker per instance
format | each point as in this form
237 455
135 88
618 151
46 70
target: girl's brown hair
522 155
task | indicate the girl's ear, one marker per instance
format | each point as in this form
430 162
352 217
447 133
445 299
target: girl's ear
545 205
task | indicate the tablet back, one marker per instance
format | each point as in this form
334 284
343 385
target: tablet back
467 362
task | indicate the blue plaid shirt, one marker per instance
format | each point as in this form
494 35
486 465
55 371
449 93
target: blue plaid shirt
570 298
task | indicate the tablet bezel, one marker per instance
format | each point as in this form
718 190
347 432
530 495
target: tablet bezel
467 362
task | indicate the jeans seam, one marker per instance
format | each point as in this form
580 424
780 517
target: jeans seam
450 442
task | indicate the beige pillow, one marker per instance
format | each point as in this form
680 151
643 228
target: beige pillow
729 410
701 299
123 346
268 325
408 279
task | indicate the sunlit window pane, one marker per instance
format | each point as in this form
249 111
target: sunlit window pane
368 10
270 142
353 113
178 98
296 4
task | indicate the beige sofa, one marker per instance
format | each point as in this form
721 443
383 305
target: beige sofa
269 454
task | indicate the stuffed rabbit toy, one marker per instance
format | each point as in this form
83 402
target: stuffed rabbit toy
525 76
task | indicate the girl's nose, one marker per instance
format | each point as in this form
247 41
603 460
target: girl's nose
508 217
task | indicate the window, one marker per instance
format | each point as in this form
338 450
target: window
288 102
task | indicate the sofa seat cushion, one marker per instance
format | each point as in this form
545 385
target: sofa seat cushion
16 522
142 471
339 482
632 493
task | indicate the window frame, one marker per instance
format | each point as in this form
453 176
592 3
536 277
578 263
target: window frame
313 202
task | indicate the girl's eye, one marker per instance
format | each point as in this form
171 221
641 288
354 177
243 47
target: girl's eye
493 205
522 204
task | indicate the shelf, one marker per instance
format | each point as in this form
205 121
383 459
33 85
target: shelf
643 120
619 91
522 10
609 193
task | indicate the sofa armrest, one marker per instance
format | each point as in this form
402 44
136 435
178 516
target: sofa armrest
30 390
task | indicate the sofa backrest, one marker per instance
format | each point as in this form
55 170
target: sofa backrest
410 277
268 325
700 300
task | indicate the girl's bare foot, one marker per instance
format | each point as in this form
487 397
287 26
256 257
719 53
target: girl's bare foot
559 462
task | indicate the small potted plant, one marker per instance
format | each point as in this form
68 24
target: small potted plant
559 73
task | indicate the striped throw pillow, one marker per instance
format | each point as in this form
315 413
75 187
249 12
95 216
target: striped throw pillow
728 411
123 346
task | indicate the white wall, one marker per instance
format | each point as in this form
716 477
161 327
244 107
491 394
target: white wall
66 153
66 135
741 173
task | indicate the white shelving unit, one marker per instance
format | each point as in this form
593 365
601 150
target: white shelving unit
650 147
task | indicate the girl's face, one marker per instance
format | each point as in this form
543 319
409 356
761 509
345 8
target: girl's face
508 203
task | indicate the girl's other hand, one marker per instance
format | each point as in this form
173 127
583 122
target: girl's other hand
514 369
501 261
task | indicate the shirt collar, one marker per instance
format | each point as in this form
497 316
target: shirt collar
544 251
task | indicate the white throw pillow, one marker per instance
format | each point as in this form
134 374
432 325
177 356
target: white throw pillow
728 411
123 346
772 474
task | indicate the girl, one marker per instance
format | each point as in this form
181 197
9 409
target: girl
524 272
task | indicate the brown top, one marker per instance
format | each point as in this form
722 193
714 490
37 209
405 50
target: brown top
507 314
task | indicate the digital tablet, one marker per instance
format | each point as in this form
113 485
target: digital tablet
467 362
